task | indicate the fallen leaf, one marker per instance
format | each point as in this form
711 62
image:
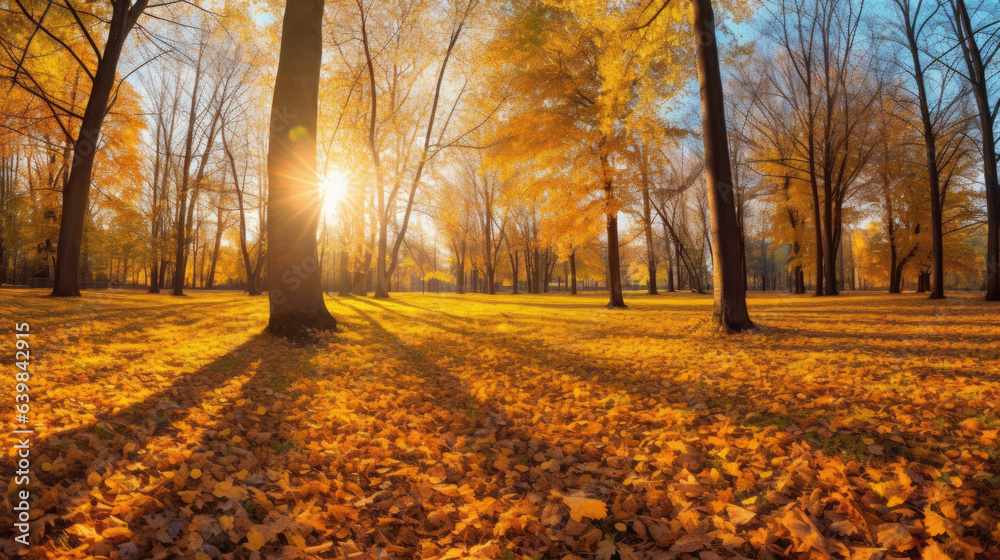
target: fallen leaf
580 507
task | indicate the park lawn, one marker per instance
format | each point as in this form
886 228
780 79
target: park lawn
534 426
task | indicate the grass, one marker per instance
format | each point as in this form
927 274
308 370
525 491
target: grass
419 392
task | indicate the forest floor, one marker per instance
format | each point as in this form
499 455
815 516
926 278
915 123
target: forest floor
503 427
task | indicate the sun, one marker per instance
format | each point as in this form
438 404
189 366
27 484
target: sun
332 189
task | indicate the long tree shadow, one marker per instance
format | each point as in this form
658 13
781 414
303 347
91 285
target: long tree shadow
185 422
600 373
178 423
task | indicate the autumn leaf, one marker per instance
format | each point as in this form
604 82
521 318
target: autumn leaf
606 549
225 489
739 516
895 536
933 551
936 524
255 540
580 507
803 530
352 456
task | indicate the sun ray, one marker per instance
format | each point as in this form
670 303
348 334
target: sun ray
333 188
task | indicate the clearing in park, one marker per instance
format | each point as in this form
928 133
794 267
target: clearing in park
535 426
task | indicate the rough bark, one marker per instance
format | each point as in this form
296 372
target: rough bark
295 293
730 294
987 123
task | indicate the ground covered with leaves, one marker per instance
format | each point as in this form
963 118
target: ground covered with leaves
504 427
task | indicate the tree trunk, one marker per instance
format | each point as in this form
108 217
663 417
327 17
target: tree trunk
670 260
76 190
295 294
829 248
186 213
253 282
514 265
572 272
550 265
215 250
647 227
679 260
930 149
743 248
343 282
489 261
381 248
156 210
163 273
381 279
616 300
987 121
614 265
394 255
818 229
154 283
730 293
252 272
894 287
460 273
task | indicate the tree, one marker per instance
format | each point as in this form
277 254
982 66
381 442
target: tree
485 190
401 77
220 78
646 216
583 79
295 291
124 15
189 188
164 109
819 92
252 266
671 200
914 22
980 59
730 290
895 191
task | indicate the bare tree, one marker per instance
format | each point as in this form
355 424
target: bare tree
915 21
820 91
980 46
